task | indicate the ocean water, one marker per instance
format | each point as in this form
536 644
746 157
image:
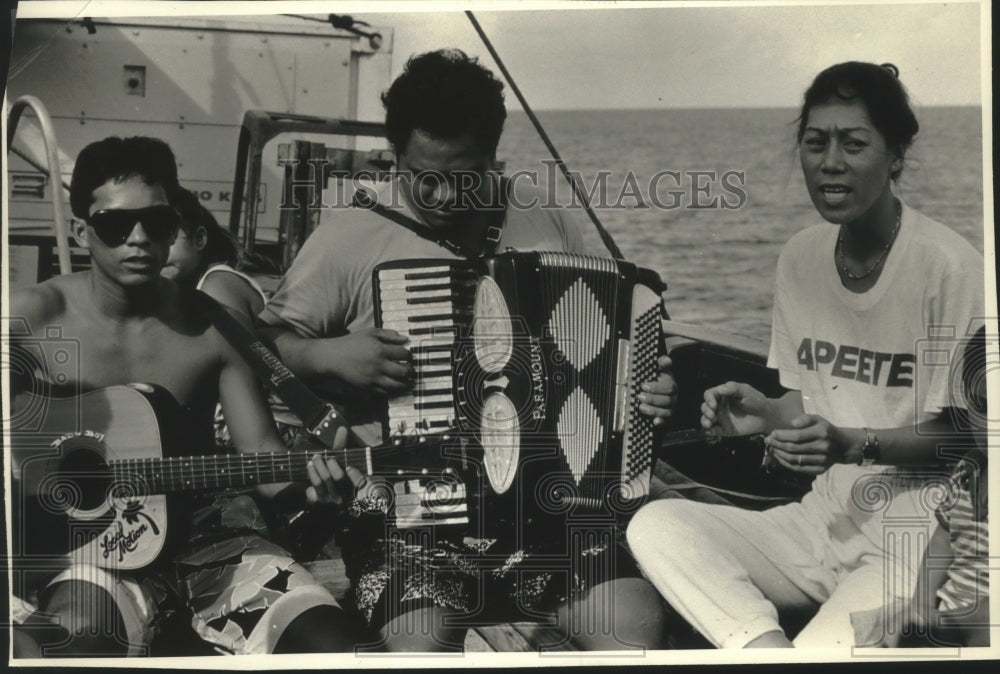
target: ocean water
719 262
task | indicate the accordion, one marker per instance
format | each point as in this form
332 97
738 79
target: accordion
538 358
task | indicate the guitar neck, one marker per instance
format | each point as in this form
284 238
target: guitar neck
224 471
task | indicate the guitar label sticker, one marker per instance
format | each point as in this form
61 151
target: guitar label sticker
122 540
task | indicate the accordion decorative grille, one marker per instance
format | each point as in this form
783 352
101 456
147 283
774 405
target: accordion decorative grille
579 326
579 429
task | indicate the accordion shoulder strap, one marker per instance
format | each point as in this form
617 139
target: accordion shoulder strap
363 198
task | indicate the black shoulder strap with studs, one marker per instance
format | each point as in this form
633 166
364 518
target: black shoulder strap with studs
365 199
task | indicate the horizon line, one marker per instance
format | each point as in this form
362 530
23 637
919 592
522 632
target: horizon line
717 107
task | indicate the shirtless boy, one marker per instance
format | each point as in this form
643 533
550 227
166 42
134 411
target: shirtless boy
132 325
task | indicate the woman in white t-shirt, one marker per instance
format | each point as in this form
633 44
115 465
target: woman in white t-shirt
206 257
866 315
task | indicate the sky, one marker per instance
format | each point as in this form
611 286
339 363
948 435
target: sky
737 56
655 55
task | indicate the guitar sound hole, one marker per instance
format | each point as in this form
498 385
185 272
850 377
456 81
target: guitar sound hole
84 473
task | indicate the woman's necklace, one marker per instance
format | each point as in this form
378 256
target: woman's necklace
881 258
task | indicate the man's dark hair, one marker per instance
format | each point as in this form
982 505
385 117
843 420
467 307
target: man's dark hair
119 159
446 94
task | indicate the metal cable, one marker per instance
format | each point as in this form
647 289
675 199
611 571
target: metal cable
605 235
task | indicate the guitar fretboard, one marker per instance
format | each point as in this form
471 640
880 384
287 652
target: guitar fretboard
223 471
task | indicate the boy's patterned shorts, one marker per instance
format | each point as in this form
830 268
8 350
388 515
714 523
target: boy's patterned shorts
241 590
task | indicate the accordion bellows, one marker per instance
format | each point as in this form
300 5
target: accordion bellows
538 357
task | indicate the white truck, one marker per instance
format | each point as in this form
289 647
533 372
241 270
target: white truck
190 82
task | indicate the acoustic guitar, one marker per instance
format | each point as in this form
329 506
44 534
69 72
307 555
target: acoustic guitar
96 480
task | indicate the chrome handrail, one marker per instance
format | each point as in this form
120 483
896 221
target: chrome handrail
52 155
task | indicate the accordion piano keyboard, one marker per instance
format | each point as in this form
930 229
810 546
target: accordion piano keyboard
428 305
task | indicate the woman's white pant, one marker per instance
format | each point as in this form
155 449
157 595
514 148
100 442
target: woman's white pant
729 571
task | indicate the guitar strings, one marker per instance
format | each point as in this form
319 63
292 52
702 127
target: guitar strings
184 473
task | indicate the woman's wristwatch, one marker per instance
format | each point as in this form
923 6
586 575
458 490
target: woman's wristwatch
870 451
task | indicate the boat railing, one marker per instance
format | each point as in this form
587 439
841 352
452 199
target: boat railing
52 171
751 350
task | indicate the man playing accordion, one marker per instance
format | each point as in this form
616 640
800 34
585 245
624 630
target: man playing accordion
444 118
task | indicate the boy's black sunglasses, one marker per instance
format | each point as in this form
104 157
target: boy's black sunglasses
114 225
